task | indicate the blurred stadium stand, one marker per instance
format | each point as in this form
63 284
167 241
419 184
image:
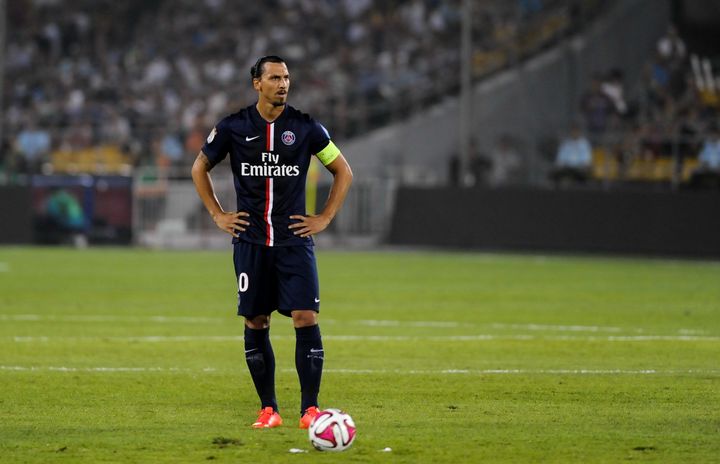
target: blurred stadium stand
132 88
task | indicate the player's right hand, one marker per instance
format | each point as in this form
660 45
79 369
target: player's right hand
231 222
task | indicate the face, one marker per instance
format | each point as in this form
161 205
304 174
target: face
274 84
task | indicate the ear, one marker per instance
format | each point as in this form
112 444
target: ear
256 84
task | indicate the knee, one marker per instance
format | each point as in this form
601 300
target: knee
258 322
304 318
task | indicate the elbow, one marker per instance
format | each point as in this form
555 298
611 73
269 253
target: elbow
200 164
197 171
348 173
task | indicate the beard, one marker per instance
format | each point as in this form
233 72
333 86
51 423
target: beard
279 100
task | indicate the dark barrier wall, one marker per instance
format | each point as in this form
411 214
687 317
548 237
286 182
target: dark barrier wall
16 215
645 223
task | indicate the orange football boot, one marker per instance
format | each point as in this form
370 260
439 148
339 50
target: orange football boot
268 418
308 417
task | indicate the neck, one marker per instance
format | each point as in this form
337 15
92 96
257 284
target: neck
268 111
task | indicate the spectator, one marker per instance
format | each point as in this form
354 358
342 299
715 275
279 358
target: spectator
196 137
78 137
709 157
671 47
707 175
574 159
597 109
146 63
33 145
115 128
657 85
171 151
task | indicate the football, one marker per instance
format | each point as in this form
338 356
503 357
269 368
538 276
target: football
332 430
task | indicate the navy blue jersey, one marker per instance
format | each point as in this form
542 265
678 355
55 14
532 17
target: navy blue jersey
269 163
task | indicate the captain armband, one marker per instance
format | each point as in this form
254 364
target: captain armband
328 154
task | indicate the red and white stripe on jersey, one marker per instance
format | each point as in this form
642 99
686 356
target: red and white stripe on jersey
270 136
270 240
269 146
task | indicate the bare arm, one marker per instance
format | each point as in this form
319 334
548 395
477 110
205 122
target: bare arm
229 222
342 178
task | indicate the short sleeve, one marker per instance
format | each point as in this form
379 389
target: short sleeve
217 144
319 137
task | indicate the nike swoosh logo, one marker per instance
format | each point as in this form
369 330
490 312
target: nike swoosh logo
313 350
317 300
250 351
250 139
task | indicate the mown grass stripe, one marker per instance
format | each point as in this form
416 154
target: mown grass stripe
377 338
578 371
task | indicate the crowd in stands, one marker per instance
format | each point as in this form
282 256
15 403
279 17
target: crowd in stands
141 82
669 132
144 80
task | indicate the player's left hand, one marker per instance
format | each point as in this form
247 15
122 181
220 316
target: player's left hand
308 225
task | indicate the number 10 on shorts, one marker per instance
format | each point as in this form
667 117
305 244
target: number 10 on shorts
243 282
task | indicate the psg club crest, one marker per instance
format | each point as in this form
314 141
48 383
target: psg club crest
288 137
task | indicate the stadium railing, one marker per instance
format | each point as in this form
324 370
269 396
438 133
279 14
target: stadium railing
167 212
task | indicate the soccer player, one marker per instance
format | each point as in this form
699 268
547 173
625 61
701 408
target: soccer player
270 145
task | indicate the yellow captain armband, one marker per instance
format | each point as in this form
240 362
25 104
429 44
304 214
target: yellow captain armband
328 154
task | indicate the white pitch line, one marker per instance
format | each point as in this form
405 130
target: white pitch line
193 320
139 339
691 332
376 338
152 369
561 328
100 318
102 369
642 338
391 323
363 322
20 317
519 371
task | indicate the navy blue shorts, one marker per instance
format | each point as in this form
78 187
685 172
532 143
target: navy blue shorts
275 278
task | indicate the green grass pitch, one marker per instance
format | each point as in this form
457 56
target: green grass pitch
124 355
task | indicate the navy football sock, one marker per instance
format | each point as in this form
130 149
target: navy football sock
261 362
309 355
